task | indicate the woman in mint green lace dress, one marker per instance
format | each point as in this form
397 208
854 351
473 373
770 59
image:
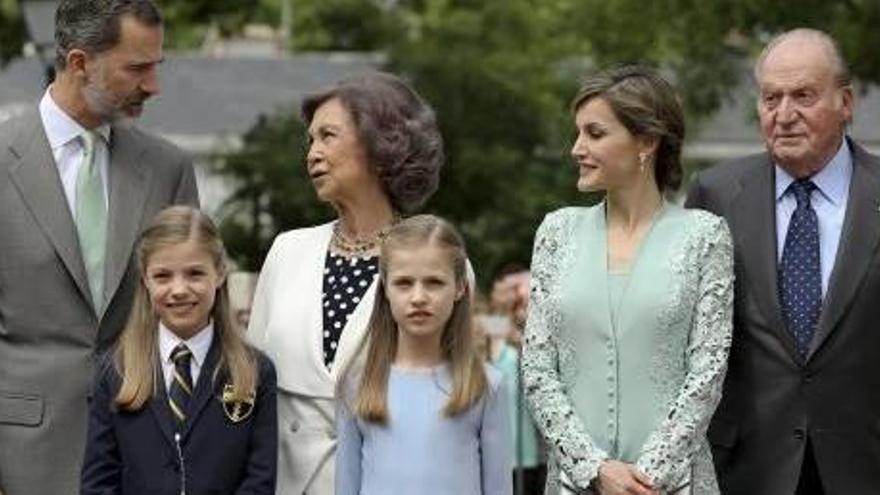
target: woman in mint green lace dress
630 311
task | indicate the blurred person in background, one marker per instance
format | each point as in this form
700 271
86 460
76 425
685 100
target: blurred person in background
241 297
510 293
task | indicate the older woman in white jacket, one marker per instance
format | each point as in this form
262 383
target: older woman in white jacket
375 152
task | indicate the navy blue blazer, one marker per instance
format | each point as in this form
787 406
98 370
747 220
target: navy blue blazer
134 452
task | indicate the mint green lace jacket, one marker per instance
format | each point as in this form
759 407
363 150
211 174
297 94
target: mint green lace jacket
636 378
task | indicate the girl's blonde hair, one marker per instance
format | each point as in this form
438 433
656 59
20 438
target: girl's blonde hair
136 356
457 343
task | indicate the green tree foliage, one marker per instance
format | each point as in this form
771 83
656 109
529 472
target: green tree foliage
488 70
357 25
691 39
12 31
852 22
189 21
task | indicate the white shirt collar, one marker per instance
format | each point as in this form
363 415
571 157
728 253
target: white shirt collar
198 344
832 181
60 127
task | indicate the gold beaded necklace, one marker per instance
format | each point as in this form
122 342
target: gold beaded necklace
358 247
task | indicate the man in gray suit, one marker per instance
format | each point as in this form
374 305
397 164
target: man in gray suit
800 412
77 183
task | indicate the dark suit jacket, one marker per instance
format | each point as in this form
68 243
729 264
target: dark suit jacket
773 401
49 330
131 453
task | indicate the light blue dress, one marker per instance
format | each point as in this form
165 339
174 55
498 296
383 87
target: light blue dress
421 451
629 366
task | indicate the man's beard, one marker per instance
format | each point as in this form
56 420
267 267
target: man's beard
101 103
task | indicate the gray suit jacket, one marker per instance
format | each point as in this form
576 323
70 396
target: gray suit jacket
773 401
49 332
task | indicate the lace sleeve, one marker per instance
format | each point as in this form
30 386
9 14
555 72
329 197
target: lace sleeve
552 409
669 451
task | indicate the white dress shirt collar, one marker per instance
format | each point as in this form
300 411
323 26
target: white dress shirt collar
832 181
60 127
199 344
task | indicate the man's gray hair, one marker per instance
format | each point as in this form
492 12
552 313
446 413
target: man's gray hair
841 70
94 25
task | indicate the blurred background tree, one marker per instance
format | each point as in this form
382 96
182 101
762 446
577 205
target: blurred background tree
12 31
342 25
190 21
491 71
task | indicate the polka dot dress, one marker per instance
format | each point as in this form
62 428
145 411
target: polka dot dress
345 282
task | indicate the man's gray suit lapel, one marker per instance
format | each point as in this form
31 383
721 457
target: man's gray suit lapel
858 242
129 177
36 177
753 215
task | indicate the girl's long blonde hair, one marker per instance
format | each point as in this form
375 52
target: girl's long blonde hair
136 356
457 343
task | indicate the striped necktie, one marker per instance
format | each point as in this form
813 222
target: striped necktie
181 386
91 217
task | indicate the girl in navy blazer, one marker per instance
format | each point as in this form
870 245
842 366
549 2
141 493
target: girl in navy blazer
182 405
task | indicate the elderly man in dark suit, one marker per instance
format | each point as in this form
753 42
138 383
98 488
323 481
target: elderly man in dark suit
77 182
801 407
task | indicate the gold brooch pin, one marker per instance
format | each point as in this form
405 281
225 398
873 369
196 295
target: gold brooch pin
236 410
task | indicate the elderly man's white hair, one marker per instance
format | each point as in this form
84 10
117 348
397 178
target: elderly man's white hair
841 70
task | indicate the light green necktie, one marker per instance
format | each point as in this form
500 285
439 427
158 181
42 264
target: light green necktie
91 217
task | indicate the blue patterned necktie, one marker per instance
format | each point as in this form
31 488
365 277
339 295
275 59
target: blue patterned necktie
181 386
800 275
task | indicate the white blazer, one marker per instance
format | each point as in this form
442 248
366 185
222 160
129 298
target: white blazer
287 324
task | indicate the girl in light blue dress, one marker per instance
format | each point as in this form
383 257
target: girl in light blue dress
422 413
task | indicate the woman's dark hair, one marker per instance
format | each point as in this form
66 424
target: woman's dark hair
647 105
399 132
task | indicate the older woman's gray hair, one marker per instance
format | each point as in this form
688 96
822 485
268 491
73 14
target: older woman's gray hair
398 130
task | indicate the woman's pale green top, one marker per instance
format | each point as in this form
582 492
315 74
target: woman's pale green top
629 366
